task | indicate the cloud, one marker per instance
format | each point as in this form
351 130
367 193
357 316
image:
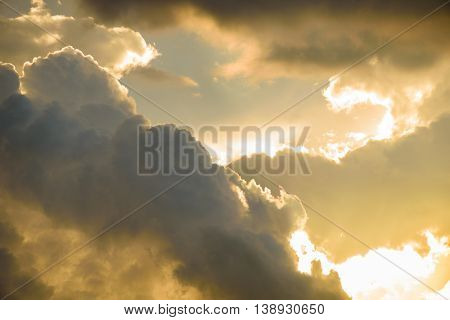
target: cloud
274 39
369 276
384 193
12 272
437 102
309 42
118 49
75 173
67 68
12 276
408 102
136 11
9 79
157 76
313 41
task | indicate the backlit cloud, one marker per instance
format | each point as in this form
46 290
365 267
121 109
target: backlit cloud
76 173
370 276
378 150
119 49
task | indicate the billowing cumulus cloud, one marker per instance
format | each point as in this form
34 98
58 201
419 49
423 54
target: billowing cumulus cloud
72 172
68 66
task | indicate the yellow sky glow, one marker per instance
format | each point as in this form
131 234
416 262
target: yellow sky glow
369 276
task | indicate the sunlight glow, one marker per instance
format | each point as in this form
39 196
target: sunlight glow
371 277
385 128
224 150
344 99
348 97
134 59
335 151
307 253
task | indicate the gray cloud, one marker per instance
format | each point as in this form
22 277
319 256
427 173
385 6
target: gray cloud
97 87
13 273
9 80
11 276
80 171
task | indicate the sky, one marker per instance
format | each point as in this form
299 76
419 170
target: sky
78 77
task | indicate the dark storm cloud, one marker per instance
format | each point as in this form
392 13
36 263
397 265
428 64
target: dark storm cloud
80 170
295 38
235 11
9 80
11 277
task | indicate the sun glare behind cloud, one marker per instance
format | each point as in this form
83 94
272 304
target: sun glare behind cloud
369 276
